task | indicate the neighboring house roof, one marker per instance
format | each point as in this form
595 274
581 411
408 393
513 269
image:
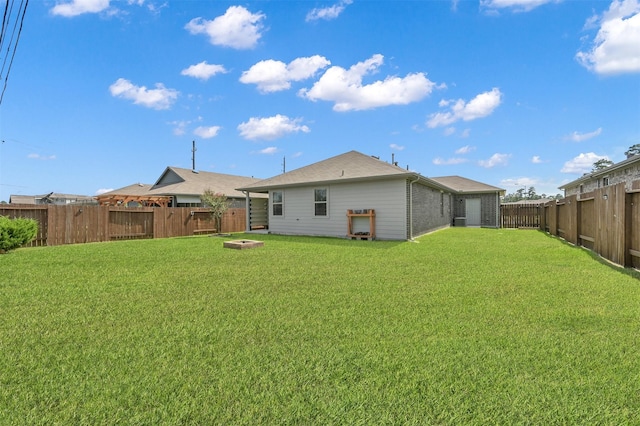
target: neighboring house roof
603 172
466 186
51 198
530 202
22 199
350 166
135 189
175 180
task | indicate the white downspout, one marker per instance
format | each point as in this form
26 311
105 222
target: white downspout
411 207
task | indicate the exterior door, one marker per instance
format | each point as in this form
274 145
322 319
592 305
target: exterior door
472 212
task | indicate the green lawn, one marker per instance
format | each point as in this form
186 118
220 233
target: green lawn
464 326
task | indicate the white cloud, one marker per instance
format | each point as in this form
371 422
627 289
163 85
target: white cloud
616 47
41 157
481 106
237 28
495 160
536 159
465 149
519 182
583 163
158 98
328 13
448 162
270 128
517 5
396 147
273 76
269 150
207 132
345 87
78 7
203 70
103 190
580 137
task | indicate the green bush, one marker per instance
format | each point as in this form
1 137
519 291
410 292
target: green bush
17 232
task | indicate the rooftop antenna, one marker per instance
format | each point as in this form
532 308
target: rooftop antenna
393 159
193 156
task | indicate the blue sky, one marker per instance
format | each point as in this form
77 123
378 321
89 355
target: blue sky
514 93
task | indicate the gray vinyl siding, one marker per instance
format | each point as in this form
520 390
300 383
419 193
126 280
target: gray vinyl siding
387 197
431 209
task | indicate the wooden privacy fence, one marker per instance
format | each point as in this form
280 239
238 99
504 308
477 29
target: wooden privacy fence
73 224
520 215
606 221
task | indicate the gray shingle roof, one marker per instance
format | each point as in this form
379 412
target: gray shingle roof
464 185
176 180
349 166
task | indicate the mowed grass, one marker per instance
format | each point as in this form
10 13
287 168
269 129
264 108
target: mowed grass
464 326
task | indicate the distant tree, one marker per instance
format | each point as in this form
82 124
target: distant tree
601 164
217 204
17 232
531 194
633 150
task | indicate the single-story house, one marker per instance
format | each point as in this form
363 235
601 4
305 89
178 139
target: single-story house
52 198
474 203
178 187
627 170
356 195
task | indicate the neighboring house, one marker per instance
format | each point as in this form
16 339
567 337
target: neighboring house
626 171
354 195
474 203
52 198
178 187
528 202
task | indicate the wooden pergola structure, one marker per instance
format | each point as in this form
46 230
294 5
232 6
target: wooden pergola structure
143 200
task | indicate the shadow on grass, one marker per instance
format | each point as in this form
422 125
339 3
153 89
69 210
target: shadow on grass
634 273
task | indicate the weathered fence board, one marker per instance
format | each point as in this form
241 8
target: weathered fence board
73 224
633 230
606 220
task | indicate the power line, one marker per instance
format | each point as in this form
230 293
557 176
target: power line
12 46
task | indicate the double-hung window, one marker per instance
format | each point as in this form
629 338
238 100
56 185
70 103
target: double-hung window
320 202
277 203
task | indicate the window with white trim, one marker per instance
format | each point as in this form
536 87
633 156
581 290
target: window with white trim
320 203
277 203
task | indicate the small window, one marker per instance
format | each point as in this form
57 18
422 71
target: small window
320 202
581 189
276 203
605 181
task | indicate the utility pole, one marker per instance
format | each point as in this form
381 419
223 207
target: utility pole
193 156
284 164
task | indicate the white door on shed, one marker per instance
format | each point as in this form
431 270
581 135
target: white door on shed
472 212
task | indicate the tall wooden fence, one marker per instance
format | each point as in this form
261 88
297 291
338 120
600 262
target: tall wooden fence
606 221
73 224
520 216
